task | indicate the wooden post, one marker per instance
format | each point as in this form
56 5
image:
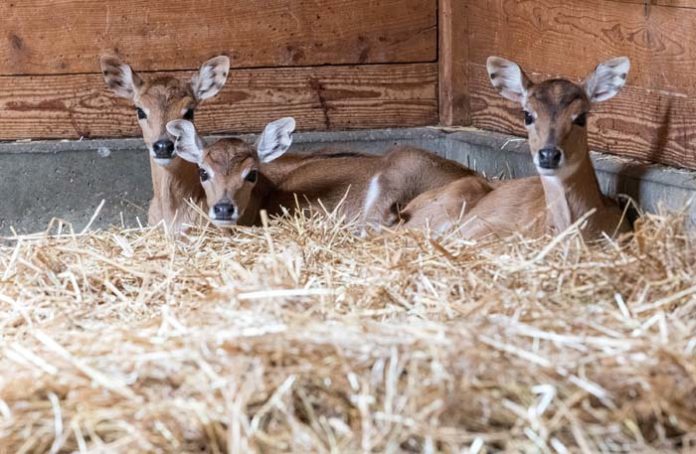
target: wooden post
455 108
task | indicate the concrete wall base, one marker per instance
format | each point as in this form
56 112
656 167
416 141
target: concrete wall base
68 180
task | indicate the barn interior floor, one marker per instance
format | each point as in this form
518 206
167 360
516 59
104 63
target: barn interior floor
42 180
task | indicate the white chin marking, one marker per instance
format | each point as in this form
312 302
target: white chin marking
547 172
163 162
564 170
223 224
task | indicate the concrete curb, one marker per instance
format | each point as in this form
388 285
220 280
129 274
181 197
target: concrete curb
68 179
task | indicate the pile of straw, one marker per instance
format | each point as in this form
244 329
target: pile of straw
305 337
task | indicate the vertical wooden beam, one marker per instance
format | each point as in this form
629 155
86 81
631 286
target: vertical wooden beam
455 108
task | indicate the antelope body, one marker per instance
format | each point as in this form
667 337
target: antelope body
240 181
566 189
158 101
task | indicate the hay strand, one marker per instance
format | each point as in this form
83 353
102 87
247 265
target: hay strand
304 336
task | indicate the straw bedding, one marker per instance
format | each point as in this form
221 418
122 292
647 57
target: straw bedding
305 337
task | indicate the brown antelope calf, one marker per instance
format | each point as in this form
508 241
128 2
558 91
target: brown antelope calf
240 181
555 114
157 102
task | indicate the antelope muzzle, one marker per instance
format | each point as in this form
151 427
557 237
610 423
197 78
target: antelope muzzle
549 158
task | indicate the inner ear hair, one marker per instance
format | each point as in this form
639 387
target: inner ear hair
508 78
607 79
188 144
211 77
275 139
120 77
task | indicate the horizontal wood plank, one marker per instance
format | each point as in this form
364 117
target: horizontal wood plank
569 37
321 98
638 123
673 3
68 36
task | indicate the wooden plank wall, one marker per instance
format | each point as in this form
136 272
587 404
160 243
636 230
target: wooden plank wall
654 119
342 64
334 64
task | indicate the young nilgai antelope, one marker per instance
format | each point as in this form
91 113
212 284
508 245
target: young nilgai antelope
555 114
157 102
239 180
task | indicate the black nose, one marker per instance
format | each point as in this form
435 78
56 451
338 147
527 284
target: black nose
164 149
223 211
549 158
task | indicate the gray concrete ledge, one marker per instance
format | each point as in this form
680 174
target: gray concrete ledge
43 180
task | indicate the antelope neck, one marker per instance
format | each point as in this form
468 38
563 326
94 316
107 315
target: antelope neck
180 178
571 196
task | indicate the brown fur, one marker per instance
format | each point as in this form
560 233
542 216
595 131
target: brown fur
442 208
163 99
177 184
555 103
331 180
537 205
173 188
226 162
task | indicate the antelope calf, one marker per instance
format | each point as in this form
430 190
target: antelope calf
157 102
240 181
555 114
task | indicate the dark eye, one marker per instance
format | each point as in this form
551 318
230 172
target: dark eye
203 174
252 176
581 120
188 115
528 118
141 113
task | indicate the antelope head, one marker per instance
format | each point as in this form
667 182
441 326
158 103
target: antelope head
555 111
230 168
164 99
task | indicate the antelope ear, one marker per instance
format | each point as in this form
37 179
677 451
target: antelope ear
508 78
187 144
275 139
607 80
119 77
211 77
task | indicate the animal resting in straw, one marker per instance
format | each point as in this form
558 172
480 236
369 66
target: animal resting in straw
555 114
239 181
174 181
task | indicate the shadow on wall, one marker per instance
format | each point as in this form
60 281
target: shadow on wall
630 178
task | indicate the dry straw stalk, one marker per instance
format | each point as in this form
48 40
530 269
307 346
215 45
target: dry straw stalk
305 337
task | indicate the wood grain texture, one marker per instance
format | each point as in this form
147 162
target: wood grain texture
653 119
569 37
673 3
68 36
454 56
323 98
643 124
